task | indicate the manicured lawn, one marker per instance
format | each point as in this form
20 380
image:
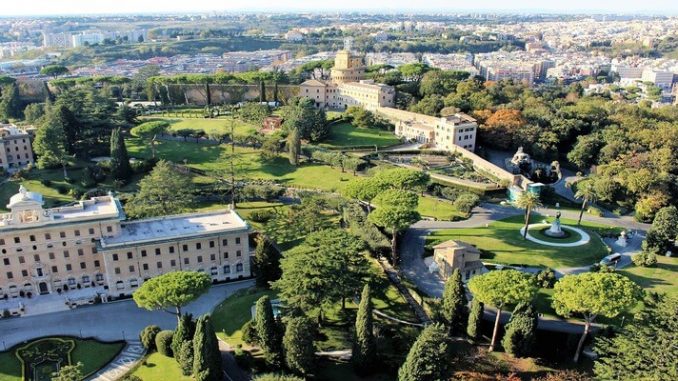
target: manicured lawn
229 316
249 164
501 242
659 278
157 367
344 134
220 126
438 209
93 354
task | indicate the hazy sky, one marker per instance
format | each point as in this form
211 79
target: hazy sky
58 7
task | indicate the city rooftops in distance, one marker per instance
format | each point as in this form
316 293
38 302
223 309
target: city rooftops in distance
26 211
175 226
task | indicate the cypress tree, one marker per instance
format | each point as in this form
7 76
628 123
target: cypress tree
454 302
474 319
275 92
10 103
120 168
206 357
521 330
266 262
299 345
428 359
268 333
364 346
262 91
294 145
184 332
185 357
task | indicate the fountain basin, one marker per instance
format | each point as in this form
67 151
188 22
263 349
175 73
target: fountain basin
569 232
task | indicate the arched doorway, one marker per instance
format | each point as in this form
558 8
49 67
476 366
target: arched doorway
43 288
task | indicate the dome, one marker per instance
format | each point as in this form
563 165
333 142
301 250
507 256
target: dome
24 196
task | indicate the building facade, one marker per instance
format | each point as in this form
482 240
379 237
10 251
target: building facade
15 147
452 255
90 245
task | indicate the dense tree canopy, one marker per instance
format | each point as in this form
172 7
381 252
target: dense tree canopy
163 191
173 289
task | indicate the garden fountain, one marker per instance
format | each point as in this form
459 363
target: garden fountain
556 230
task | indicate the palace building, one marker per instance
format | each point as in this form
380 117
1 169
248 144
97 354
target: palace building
91 245
15 147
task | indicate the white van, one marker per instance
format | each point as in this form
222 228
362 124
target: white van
611 259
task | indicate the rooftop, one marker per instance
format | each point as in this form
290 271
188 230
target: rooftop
454 244
177 226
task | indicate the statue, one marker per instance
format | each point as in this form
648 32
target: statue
621 241
555 230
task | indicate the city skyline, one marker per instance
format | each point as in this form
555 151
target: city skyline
81 7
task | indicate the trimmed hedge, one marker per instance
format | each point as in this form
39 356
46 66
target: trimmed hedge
163 342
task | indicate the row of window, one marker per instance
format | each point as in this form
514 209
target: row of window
71 282
55 269
48 236
184 248
52 256
226 268
213 257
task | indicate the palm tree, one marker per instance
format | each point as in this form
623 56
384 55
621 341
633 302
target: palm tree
588 195
528 201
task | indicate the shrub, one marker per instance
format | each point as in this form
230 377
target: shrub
62 189
249 333
46 182
244 359
645 259
163 342
465 202
262 215
546 278
147 337
185 357
592 210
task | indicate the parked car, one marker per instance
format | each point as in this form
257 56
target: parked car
610 260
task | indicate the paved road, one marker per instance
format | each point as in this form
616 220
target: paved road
112 321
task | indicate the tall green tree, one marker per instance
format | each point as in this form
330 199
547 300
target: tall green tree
403 179
268 333
54 70
266 261
528 201
454 302
172 290
294 146
364 344
428 359
521 330
10 103
475 318
184 332
663 233
206 357
50 145
164 191
69 122
120 168
395 219
262 91
151 130
299 345
364 189
646 348
301 114
501 288
587 193
590 295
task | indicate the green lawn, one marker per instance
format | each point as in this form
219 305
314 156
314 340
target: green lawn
229 316
659 278
220 126
93 354
501 242
344 134
438 209
157 367
249 164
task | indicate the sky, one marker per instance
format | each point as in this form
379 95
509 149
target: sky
63 7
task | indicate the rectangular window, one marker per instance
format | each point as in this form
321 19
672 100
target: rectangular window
109 229
10 275
237 240
81 252
186 261
184 247
68 267
32 238
129 255
225 254
238 253
157 251
173 263
66 254
48 236
213 257
94 250
224 242
77 233
159 265
145 266
115 257
36 258
171 249
211 244
24 273
117 270
199 258
55 269
91 231
198 246
83 265
143 253
17 240
21 260
62 234
2 241
51 255
97 263
131 269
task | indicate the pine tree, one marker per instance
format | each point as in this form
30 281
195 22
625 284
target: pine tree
184 332
299 345
454 302
120 168
428 359
294 146
364 346
266 261
475 318
268 333
206 357
50 144
262 91
520 330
